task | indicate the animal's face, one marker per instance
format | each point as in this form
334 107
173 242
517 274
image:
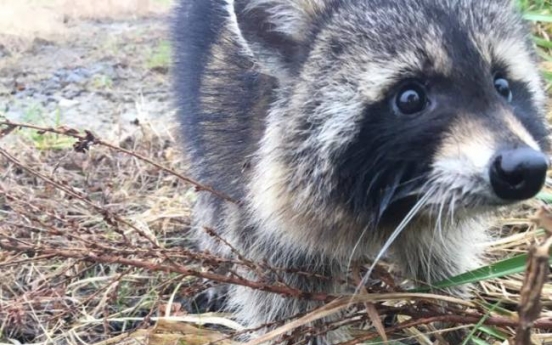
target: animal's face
386 102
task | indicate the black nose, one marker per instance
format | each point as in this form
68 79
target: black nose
518 174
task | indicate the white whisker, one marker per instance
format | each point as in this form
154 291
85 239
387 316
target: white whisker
452 204
440 219
430 253
406 220
356 247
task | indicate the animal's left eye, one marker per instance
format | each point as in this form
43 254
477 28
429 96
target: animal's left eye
502 86
411 99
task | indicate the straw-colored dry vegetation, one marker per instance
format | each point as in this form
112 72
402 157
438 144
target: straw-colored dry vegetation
94 249
23 20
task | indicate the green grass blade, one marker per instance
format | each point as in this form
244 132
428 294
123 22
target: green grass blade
498 310
498 269
542 42
471 336
478 341
537 17
545 197
498 334
378 341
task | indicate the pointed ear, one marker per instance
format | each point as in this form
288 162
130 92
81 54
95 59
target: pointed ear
276 31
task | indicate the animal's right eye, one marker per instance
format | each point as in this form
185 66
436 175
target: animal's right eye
411 99
502 86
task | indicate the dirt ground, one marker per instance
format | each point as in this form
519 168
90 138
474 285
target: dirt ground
84 66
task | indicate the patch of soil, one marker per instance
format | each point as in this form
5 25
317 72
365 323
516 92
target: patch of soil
100 78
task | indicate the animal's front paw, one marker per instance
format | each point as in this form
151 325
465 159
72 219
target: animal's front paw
212 299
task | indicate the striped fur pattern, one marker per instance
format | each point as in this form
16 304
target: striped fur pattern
288 105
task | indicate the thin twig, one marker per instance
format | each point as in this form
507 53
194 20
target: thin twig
88 139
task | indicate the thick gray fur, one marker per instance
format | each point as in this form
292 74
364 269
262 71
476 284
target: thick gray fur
283 105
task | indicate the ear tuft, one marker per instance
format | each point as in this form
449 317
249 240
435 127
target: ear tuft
276 30
288 17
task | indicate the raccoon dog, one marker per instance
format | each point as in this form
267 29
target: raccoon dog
351 129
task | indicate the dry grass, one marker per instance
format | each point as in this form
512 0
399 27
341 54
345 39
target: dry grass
112 9
49 300
101 253
21 21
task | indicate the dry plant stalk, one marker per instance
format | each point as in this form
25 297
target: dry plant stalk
88 139
370 308
538 268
